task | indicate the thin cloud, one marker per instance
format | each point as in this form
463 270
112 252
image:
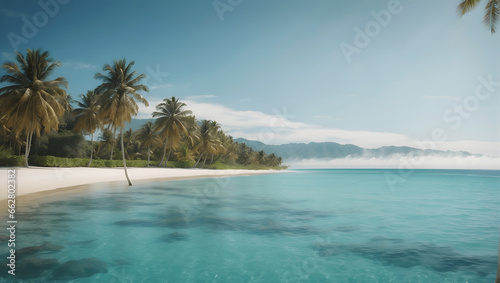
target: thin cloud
79 65
160 86
194 97
440 97
326 117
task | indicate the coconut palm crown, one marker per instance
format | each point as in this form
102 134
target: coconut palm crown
32 102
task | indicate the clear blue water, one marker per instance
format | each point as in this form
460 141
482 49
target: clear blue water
299 226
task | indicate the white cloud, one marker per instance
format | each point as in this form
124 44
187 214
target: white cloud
194 97
278 129
160 86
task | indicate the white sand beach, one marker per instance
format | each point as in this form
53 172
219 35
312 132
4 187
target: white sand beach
42 179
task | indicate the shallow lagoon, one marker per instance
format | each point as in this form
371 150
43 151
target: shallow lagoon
303 225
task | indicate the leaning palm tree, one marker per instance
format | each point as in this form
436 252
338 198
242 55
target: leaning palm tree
87 117
171 119
118 96
32 102
492 11
147 137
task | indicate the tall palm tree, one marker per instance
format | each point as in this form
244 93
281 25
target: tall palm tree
171 119
119 93
87 117
32 102
492 11
148 137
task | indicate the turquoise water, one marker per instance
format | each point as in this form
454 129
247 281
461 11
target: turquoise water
299 226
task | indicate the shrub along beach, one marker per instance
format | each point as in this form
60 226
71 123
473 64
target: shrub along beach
39 125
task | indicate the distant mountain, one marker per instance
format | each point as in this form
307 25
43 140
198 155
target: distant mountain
333 150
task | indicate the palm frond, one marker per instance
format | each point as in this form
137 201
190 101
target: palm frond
467 6
492 14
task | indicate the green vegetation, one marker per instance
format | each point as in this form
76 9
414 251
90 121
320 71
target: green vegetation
37 118
9 159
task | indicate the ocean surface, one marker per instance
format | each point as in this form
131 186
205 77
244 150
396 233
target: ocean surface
327 225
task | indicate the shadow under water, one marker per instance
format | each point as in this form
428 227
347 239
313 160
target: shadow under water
404 254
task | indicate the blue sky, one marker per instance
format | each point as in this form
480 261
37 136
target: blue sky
275 70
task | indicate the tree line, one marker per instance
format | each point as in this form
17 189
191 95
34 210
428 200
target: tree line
35 107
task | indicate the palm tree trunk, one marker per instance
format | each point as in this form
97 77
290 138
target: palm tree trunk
212 159
168 156
27 150
205 160
91 148
113 144
149 153
201 154
164 152
124 162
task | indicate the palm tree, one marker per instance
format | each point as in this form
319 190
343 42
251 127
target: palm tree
119 93
171 119
107 140
261 157
207 140
148 137
87 117
32 102
184 154
4 130
245 154
491 15
128 139
193 132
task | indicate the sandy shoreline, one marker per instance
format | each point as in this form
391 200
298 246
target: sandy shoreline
50 179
